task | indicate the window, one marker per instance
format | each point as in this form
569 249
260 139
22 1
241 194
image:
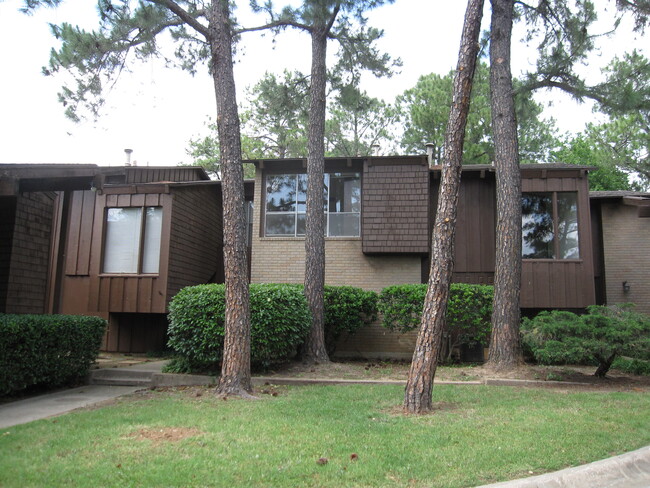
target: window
550 225
132 242
286 204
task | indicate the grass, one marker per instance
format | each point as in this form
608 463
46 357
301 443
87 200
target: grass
477 435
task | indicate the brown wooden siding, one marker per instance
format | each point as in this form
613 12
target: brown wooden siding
196 238
555 283
135 333
7 219
151 175
395 196
109 293
26 252
474 248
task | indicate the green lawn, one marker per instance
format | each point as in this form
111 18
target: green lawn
479 435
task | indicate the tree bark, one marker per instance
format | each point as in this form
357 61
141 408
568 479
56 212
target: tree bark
418 393
314 349
604 364
505 349
235 376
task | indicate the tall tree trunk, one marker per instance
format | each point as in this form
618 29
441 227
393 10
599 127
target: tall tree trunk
505 349
417 396
314 349
235 376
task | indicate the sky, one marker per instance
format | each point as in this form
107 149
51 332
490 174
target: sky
155 110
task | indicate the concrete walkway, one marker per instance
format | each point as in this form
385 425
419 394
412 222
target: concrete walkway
630 470
53 404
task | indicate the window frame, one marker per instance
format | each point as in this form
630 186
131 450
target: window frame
142 241
296 213
556 225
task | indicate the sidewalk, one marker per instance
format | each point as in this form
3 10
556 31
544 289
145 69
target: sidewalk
52 404
630 470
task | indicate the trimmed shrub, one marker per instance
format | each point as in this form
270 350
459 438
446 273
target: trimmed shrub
279 324
560 337
47 350
347 309
469 312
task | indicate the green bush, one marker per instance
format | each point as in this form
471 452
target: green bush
632 366
560 337
46 350
279 324
347 309
469 312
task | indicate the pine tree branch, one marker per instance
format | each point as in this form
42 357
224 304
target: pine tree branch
184 15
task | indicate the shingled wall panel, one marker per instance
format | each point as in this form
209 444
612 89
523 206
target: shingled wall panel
395 213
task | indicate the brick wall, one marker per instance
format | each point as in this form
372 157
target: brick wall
282 260
27 277
626 246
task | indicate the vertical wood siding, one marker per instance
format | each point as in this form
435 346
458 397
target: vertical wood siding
109 293
150 175
196 238
556 283
26 236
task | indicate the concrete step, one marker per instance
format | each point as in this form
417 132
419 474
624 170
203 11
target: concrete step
120 377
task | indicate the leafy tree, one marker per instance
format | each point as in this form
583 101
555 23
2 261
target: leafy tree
358 125
561 337
505 350
582 150
419 385
205 153
203 33
624 142
275 119
424 110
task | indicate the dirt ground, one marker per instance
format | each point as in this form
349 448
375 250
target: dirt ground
390 370
398 370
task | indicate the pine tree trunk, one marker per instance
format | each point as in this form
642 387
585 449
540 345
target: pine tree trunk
505 349
314 349
418 393
235 376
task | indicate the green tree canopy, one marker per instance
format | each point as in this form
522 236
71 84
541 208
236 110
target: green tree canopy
424 110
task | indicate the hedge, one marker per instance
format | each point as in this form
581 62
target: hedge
280 322
347 309
469 312
47 350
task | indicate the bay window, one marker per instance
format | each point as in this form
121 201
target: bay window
550 225
132 240
286 205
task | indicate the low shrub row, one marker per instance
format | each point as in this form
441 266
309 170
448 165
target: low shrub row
46 350
280 319
279 322
469 311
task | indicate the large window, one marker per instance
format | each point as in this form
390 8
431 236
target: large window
132 242
550 225
286 204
